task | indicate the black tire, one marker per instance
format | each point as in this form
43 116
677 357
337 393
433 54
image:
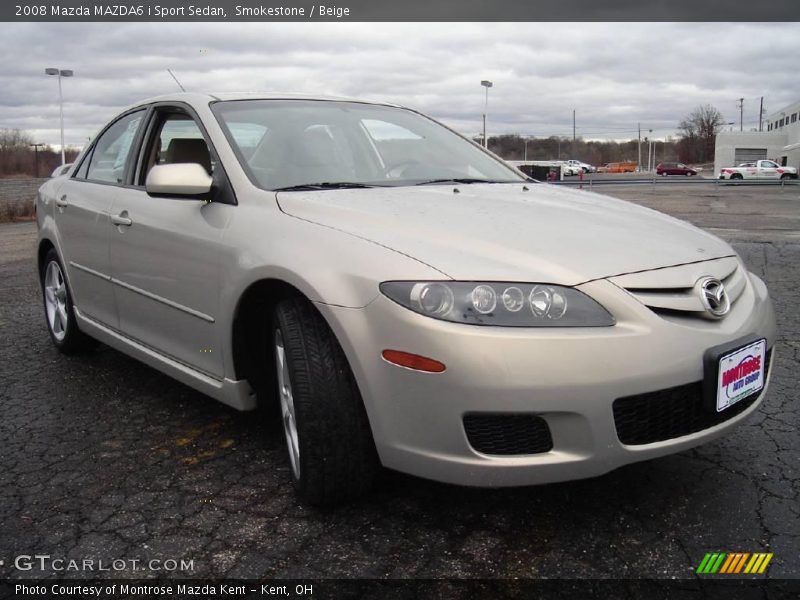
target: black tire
737 176
786 176
67 338
337 458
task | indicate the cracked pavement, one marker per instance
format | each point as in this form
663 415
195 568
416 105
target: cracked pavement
102 457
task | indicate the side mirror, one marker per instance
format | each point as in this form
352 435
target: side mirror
180 179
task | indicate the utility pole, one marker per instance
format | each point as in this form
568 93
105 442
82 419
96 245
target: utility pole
36 154
741 114
639 162
761 115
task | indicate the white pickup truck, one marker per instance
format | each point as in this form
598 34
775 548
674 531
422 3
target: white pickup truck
758 169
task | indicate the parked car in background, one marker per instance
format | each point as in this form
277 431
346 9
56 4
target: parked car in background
621 167
568 169
61 170
585 167
759 169
671 168
396 295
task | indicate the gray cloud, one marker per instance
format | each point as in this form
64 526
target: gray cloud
613 75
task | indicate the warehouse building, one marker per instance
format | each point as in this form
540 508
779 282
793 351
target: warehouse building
779 141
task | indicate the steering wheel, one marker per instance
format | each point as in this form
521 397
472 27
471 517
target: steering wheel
395 171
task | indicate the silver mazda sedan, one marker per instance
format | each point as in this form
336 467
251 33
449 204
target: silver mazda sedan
405 297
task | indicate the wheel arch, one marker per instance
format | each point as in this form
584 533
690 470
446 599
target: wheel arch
45 245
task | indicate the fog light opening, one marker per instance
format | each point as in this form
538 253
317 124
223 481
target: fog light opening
413 361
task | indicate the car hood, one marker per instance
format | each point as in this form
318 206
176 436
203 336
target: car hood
502 232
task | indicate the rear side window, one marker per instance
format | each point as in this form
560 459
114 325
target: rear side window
110 154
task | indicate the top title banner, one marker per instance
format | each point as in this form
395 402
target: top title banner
398 10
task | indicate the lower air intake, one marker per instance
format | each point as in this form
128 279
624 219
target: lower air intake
507 434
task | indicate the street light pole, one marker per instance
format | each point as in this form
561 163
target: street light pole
487 84
60 73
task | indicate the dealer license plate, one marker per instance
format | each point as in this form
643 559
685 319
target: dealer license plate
740 374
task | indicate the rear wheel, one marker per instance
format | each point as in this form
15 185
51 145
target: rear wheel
59 312
329 441
737 176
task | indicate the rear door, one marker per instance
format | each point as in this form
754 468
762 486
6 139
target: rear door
82 216
166 260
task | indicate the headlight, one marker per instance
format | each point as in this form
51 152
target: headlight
504 304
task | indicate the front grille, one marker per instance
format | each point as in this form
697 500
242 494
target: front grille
507 434
671 413
671 292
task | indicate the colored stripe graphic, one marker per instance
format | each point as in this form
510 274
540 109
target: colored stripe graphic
740 564
716 565
704 563
758 564
764 564
729 563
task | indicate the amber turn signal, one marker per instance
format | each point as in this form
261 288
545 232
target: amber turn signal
413 361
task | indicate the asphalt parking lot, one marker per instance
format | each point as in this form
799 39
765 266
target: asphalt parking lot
104 458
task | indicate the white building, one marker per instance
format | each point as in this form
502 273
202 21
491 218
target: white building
779 141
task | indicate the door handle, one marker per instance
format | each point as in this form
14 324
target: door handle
122 219
62 201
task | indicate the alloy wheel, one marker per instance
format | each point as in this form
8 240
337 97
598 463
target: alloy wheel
55 299
288 415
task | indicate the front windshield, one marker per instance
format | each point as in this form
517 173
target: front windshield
294 143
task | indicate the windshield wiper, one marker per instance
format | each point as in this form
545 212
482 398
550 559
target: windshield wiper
464 180
325 185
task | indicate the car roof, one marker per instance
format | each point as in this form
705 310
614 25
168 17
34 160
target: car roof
194 98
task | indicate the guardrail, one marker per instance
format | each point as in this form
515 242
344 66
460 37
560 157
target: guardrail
591 181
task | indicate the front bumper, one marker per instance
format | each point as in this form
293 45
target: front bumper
570 377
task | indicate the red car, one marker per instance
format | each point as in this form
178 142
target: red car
674 169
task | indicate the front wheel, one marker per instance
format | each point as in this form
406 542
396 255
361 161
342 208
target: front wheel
785 176
58 308
331 451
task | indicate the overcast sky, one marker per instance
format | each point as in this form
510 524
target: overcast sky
613 75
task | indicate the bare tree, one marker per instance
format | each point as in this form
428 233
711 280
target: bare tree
12 139
19 159
699 132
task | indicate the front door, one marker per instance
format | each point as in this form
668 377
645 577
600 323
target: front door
768 169
165 256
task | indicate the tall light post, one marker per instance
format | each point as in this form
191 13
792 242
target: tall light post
60 73
487 84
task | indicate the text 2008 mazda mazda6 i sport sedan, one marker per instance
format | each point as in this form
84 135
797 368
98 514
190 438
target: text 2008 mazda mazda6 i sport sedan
407 298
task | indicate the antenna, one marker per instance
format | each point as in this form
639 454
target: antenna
176 80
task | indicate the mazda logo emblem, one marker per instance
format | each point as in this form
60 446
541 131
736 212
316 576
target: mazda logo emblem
714 297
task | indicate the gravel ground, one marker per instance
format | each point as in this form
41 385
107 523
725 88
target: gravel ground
103 457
